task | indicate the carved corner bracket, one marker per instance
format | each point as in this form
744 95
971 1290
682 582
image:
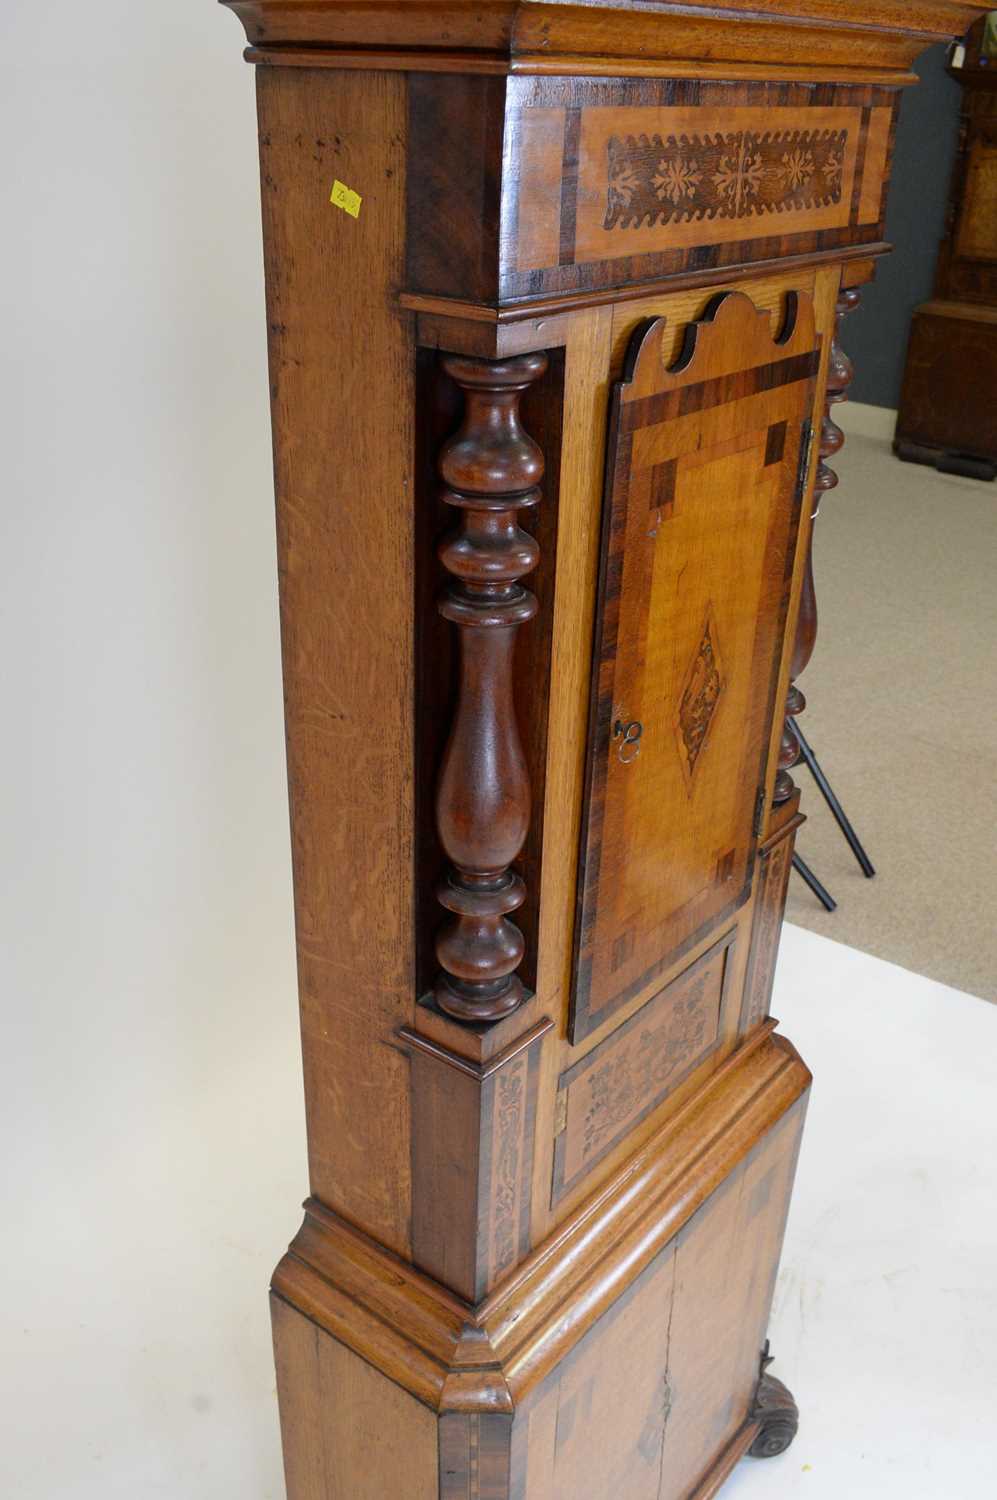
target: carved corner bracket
840 374
491 470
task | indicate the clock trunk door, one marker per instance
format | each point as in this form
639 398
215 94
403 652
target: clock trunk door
707 463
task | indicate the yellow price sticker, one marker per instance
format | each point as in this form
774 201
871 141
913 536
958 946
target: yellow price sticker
345 198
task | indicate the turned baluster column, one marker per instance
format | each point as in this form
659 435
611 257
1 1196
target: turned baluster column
839 377
491 470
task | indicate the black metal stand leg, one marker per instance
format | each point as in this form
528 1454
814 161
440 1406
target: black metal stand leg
826 900
827 792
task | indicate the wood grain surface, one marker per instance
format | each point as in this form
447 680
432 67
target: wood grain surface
344 1410
346 676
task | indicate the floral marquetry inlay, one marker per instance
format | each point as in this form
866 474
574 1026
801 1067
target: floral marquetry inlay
668 177
507 1188
656 179
624 1083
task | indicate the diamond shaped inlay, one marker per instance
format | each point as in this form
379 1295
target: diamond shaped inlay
701 693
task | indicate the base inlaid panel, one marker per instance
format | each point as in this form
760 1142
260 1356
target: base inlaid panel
666 1379
617 1084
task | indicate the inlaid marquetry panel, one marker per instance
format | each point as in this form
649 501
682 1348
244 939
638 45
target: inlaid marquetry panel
650 179
618 181
705 480
620 1081
601 182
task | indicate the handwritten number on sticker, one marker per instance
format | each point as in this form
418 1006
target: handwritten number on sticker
345 198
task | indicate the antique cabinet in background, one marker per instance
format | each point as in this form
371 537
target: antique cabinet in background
948 403
552 295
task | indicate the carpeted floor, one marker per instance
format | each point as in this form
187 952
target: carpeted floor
902 713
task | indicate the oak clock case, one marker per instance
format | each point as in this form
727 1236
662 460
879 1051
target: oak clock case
553 297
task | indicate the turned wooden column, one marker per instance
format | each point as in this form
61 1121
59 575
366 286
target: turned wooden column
840 374
491 470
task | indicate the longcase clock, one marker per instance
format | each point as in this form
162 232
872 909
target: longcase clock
948 411
553 294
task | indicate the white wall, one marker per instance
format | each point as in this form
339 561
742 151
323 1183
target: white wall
152 1124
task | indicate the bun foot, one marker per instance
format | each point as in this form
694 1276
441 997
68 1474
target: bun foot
776 1411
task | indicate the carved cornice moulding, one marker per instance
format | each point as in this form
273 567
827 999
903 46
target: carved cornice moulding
453 1356
652 37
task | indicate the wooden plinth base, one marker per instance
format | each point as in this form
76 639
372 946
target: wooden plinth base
947 460
621 1357
946 415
